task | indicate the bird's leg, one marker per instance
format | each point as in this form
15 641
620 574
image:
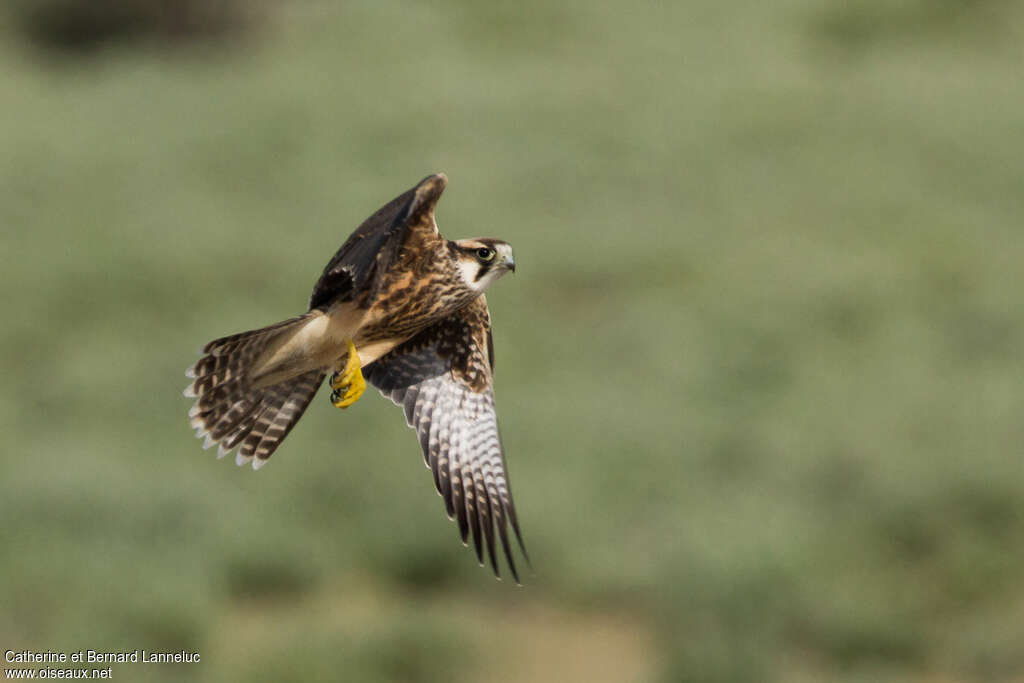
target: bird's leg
348 385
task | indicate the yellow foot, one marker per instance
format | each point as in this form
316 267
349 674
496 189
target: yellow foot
348 385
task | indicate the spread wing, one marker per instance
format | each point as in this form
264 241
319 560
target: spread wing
442 377
356 268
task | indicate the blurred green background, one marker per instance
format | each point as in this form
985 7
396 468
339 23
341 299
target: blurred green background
759 374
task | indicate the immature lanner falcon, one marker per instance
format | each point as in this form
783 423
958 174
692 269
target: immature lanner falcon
406 305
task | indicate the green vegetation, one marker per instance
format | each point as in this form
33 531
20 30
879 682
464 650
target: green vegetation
760 372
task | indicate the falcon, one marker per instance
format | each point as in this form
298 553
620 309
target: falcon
399 306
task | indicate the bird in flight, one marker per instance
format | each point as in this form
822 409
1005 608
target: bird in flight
399 306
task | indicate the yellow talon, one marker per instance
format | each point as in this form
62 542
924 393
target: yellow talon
348 385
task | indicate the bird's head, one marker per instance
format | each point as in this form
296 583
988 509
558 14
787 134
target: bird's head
482 260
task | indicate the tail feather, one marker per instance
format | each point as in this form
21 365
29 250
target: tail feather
230 419
231 411
241 430
224 345
282 406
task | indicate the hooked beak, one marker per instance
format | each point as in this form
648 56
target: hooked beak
510 263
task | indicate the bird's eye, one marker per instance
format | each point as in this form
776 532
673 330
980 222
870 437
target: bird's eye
485 254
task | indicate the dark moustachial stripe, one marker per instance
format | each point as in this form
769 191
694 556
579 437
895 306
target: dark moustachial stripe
484 268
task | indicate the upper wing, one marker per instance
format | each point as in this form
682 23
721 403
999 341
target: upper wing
442 377
371 249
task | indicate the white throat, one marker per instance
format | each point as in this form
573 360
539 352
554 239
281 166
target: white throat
468 270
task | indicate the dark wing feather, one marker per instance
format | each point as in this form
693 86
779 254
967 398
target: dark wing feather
442 377
369 251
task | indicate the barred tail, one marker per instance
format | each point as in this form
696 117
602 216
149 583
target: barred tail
231 410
